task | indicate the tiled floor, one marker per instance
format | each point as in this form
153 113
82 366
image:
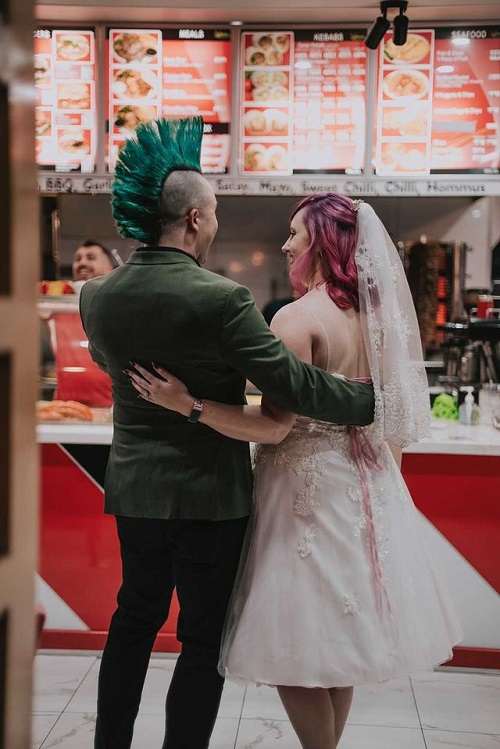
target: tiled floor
443 710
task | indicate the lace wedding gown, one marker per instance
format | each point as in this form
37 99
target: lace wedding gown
338 587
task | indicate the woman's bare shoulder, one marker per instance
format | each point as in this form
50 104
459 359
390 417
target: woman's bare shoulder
295 329
290 314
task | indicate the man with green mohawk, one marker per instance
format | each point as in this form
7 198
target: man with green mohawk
181 492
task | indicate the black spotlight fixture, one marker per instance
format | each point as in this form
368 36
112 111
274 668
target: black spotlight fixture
400 24
381 24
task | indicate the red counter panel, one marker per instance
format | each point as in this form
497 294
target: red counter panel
460 495
79 552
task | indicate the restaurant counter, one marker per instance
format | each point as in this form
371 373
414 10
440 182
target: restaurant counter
481 440
454 482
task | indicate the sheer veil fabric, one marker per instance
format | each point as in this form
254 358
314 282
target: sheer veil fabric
391 335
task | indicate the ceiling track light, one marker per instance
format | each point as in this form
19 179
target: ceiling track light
382 24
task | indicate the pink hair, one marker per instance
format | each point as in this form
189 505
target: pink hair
331 222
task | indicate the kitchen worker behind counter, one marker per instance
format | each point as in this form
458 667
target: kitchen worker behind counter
91 259
78 377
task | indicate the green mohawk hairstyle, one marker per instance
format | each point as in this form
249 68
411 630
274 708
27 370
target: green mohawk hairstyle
158 148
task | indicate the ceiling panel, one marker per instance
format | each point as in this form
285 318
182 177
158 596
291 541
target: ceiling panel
263 11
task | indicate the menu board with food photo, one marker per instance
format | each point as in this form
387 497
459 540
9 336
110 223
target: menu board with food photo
65 118
404 112
466 109
267 116
303 101
170 73
134 82
329 101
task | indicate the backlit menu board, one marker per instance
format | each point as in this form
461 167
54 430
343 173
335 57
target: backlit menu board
66 126
439 103
267 113
303 101
170 73
404 111
329 101
466 106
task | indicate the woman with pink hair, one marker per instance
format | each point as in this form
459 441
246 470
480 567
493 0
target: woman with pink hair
336 577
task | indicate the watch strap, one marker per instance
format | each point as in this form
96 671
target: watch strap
196 411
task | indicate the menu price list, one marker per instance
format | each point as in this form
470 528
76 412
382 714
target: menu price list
466 111
303 101
329 101
170 73
66 121
438 103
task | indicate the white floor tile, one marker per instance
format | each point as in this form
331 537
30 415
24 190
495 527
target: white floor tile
389 704
231 703
263 702
76 731
381 737
458 710
156 686
224 735
458 702
56 679
153 696
266 733
154 693
41 726
84 699
451 740
150 730
72 731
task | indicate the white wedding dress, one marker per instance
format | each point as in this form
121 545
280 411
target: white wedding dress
338 587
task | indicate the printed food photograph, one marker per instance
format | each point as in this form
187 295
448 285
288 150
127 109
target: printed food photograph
129 116
415 50
258 158
271 48
72 47
130 83
411 119
266 122
267 85
74 141
406 84
132 46
42 70
73 96
43 122
403 157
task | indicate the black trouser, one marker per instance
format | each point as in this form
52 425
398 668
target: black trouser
199 558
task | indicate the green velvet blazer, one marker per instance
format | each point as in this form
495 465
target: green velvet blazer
163 307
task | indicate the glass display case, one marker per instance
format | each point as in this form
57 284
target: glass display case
72 387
